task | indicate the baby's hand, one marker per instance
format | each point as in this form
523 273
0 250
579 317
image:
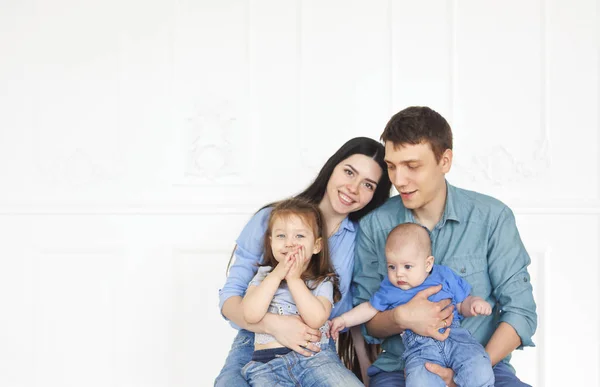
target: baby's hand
480 307
336 325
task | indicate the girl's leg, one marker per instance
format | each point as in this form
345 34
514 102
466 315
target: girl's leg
239 355
325 369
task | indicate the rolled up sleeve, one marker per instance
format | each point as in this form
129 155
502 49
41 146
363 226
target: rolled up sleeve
247 254
508 261
366 278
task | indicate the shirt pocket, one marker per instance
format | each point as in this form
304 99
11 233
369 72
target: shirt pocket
474 270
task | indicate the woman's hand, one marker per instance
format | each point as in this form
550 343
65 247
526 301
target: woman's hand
292 333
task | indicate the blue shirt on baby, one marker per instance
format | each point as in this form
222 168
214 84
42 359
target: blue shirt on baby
249 253
453 286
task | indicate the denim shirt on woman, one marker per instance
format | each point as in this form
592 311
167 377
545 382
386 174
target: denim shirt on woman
249 252
477 238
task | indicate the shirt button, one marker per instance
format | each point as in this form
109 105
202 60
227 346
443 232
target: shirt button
525 279
463 270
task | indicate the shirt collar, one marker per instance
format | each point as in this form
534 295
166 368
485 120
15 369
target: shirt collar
450 212
348 224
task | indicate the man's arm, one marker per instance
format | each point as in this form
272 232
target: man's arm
507 267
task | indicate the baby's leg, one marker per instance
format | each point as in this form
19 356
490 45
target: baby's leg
471 364
416 373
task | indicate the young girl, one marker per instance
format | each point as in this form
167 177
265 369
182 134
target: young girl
296 279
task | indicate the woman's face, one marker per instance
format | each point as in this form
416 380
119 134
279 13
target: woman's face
352 184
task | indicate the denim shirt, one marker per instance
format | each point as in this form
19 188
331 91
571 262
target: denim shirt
249 252
477 238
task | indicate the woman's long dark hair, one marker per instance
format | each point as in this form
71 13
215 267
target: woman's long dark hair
358 145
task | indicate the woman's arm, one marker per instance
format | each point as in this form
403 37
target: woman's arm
248 254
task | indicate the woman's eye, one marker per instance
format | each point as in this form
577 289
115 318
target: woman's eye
369 186
348 172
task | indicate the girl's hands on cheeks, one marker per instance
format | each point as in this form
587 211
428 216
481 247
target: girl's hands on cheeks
299 265
282 269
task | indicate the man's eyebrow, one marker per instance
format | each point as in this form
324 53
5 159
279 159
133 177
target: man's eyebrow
355 171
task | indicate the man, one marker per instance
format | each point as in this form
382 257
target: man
473 234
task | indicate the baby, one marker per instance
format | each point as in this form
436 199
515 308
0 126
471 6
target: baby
410 269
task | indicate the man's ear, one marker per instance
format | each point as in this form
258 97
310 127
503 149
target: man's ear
446 160
318 246
429 263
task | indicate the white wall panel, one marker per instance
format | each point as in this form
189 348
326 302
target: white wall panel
136 140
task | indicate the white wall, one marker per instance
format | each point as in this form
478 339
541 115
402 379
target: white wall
136 138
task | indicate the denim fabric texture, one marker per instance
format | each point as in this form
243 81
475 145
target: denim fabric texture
503 375
460 351
324 369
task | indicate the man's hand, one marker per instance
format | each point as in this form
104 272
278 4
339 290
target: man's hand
446 374
292 333
424 317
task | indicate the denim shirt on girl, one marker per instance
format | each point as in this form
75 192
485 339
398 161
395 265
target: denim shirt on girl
249 253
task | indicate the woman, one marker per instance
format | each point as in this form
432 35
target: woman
351 183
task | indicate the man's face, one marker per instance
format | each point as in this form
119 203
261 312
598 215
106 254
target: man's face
416 174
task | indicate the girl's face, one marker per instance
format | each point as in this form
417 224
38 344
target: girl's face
288 233
352 184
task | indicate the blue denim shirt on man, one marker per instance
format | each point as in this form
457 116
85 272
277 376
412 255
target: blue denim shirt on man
476 237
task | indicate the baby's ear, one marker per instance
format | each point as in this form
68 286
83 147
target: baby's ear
429 263
318 246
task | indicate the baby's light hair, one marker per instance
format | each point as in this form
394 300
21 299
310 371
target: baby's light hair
409 233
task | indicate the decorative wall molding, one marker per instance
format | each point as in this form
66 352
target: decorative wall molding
501 166
211 141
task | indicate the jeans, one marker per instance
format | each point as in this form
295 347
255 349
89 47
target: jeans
240 354
323 369
502 374
460 351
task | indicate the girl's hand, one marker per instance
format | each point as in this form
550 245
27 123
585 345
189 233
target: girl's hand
480 307
291 332
299 265
282 268
336 325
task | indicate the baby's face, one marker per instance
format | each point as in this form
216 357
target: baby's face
409 266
